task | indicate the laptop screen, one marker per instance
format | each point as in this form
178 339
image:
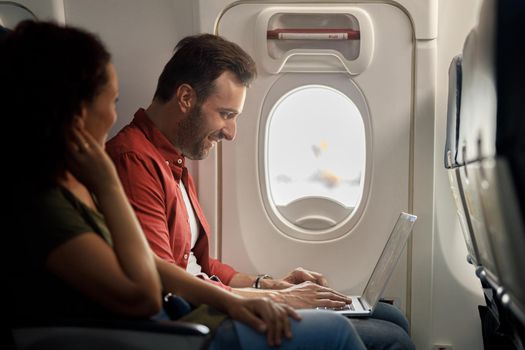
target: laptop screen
388 259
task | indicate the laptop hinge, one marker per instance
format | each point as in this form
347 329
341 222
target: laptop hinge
364 304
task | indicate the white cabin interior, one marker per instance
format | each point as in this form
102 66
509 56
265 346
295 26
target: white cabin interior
394 84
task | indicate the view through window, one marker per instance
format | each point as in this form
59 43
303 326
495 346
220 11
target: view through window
315 154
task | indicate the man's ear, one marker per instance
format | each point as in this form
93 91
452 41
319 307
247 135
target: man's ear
186 97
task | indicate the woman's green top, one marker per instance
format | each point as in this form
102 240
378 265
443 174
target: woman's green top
41 224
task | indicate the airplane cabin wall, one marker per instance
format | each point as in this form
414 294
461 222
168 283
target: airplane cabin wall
141 36
452 316
124 23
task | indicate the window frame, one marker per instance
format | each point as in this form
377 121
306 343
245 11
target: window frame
283 86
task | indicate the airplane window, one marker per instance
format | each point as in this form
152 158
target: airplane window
315 156
11 14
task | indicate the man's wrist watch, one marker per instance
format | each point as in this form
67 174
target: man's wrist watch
257 283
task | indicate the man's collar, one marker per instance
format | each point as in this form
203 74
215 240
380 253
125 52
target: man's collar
158 139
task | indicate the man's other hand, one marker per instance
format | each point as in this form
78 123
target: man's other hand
308 295
300 275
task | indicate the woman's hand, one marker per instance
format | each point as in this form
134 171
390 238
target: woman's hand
264 315
89 162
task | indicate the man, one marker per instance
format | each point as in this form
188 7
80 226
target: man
199 96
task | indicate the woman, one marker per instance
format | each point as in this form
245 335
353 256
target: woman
73 235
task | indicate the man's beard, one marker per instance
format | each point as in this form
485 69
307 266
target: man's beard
191 136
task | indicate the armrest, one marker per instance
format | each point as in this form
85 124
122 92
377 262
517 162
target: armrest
514 309
110 334
163 326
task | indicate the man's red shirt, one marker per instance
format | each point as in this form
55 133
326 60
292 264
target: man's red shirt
150 170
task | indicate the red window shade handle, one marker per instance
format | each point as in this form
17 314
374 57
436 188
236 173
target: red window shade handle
313 34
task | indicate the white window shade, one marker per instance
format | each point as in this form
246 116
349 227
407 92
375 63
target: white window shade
326 158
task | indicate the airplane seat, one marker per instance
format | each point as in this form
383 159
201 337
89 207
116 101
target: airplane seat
107 334
453 158
492 164
455 164
453 109
510 159
511 76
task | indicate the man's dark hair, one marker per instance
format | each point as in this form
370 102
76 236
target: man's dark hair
199 60
3 31
47 73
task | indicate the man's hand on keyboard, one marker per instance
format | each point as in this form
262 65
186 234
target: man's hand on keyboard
308 295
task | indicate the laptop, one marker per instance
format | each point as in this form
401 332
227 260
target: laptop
364 305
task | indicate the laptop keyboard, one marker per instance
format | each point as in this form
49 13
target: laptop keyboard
346 307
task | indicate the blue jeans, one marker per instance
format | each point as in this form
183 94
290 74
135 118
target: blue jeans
317 330
385 329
